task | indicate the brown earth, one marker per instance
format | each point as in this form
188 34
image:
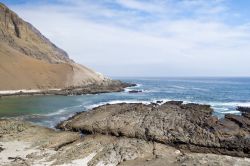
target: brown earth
28 60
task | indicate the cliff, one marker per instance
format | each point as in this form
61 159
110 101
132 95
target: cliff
28 60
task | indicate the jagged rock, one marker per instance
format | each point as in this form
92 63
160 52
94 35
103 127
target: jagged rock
185 126
35 145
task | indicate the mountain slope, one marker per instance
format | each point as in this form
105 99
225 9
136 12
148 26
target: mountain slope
28 60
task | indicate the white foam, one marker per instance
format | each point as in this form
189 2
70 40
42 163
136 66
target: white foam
228 112
62 111
116 102
149 91
138 85
216 105
132 88
221 108
200 89
178 87
232 104
127 89
164 100
57 112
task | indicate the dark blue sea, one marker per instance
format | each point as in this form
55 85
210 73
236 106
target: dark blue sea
223 94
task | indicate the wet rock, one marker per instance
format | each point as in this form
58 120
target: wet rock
159 102
244 109
135 91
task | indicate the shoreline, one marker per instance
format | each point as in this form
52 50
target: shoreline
225 136
113 143
113 86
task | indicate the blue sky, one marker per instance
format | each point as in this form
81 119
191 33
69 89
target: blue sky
147 37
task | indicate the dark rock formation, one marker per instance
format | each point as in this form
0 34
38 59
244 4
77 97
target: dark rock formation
244 109
135 91
186 126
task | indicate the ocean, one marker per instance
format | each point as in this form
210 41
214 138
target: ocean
223 94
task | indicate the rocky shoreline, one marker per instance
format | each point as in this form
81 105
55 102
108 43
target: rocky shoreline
189 127
105 87
170 133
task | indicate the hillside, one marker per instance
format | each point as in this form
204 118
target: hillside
28 60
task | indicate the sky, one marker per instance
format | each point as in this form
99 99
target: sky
147 37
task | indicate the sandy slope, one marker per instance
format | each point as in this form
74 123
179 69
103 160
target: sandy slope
28 60
18 71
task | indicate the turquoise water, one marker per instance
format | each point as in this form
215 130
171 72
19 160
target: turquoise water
223 94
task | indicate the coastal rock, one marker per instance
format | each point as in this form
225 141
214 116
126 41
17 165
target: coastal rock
12 130
25 144
185 126
105 87
244 109
135 91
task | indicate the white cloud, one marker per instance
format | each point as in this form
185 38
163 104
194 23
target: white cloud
142 6
154 38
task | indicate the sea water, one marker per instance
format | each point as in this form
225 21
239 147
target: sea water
223 94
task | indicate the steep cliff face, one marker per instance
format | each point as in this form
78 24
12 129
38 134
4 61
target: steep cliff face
28 60
23 37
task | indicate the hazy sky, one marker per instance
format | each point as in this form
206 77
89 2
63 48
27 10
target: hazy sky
147 37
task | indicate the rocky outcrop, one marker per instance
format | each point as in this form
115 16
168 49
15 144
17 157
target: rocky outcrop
244 109
25 144
105 87
135 91
189 127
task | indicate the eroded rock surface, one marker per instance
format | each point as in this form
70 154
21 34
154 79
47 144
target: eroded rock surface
185 126
24 144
